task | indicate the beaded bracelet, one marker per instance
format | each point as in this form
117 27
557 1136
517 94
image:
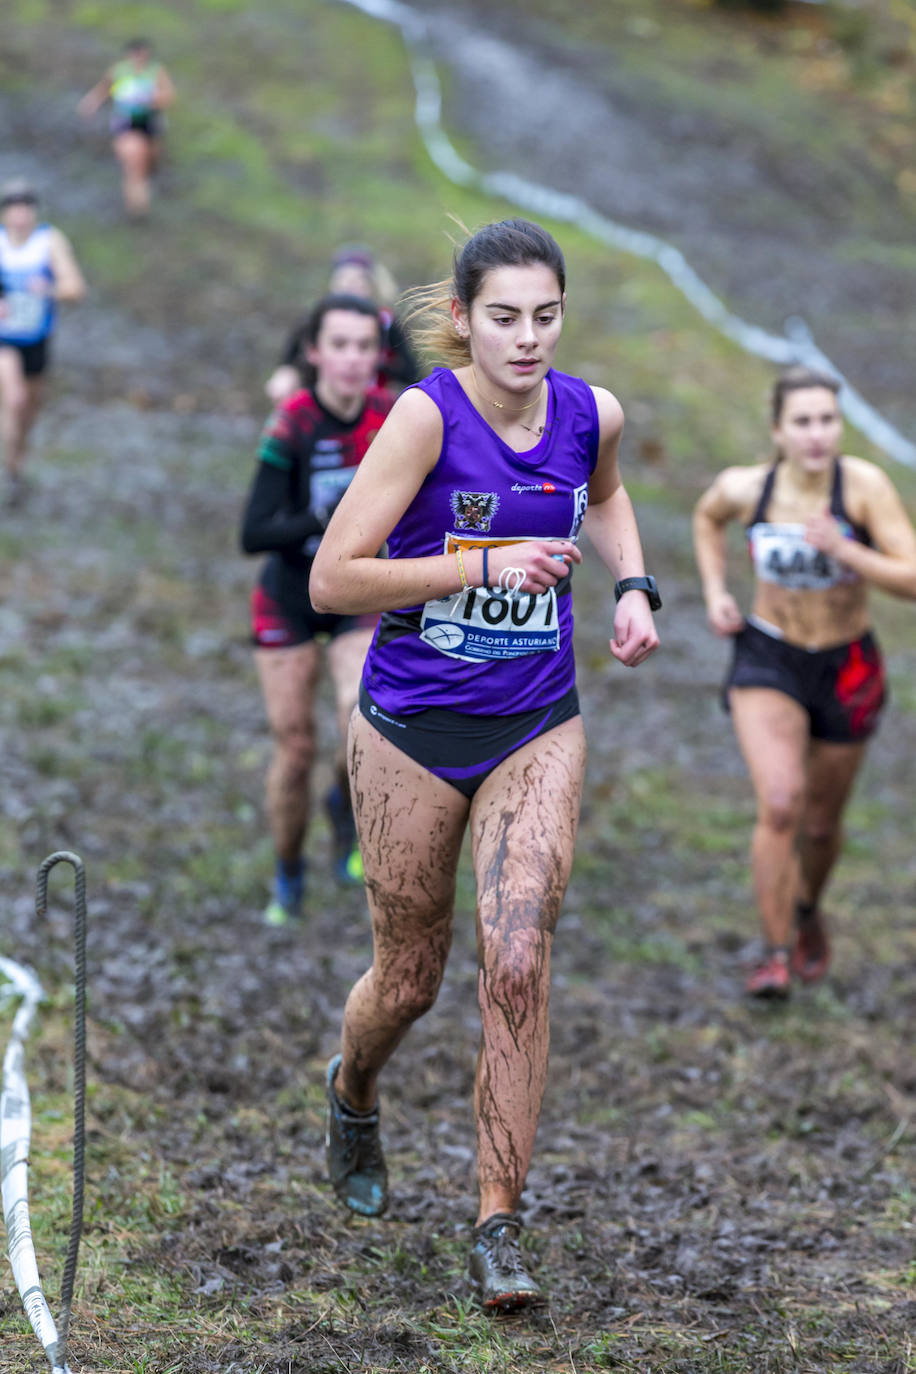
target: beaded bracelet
461 573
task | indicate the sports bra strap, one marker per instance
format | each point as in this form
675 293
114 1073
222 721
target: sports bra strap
766 491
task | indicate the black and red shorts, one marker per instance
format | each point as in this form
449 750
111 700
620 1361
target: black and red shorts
843 689
275 626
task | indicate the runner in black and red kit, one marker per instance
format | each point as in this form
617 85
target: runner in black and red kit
308 454
807 681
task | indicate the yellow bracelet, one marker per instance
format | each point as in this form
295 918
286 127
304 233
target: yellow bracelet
461 573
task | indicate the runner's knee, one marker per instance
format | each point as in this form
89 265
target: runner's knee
410 994
820 830
296 747
512 972
781 808
16 400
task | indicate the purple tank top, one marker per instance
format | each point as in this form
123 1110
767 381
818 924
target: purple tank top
488 652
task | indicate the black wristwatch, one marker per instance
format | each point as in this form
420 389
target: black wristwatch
639 584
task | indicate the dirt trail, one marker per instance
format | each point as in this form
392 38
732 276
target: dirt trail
778 222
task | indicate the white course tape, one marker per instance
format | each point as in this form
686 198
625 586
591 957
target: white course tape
795 346
15 1133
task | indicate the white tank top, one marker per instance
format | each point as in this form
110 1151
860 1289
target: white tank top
28 315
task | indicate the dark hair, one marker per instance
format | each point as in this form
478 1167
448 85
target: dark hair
507 243
18 191
335 300
138 45
510 243
799 379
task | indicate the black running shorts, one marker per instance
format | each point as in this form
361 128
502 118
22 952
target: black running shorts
843 689
460 748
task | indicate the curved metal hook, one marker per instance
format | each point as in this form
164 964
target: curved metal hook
79 1075
41 883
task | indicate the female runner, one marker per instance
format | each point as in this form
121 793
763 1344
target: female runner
308 454
38 270
480 481
806 685
139 89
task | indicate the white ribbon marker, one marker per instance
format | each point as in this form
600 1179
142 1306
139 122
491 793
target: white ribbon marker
15 1133
795 346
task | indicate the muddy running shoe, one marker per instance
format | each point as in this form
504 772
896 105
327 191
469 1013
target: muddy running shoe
356 1164
811 954
348 863
771 978
497 1268
289 893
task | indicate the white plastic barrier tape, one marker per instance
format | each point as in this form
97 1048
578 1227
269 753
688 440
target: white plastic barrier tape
15 1133
795 346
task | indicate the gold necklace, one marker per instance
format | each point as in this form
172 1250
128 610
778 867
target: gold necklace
513 410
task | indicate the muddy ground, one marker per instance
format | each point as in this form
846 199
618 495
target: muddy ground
716 1185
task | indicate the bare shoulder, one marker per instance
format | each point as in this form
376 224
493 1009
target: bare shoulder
733 492
862 476
416 412
58 241
610 411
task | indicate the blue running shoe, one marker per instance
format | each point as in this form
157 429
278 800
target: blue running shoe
356 1164
289 894
348 863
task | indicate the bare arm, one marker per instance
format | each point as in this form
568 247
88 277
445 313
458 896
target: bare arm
69 282
892 564
611 526
165 90
282 383
95 98
348 579
718 505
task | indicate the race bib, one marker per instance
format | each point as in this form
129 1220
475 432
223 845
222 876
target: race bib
23 312
326 487
782 554
480 624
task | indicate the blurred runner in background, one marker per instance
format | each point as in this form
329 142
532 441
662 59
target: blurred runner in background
140 90
807 685
37 269
309 451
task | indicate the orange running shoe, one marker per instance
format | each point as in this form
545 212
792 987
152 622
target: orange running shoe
811 955
771 978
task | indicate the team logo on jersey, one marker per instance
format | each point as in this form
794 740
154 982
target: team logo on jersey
474 510
547 488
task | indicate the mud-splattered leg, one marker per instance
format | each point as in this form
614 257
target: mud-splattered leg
523 826
410 829
289 678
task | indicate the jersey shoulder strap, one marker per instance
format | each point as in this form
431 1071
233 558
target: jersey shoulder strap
763 500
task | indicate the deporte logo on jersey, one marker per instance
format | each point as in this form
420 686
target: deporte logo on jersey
547 487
